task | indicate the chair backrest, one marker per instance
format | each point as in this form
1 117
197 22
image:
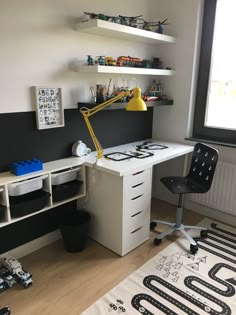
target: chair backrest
203 164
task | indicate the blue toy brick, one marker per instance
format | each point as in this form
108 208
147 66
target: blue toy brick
25 167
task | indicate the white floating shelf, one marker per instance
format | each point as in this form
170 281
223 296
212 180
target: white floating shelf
105 28
124 70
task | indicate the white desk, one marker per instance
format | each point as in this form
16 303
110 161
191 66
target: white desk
119 195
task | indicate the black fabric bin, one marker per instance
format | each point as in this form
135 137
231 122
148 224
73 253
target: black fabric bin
66 190
28 203
74 229
2 211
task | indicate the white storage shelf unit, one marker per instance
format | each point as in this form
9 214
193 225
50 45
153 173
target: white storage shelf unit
55 174
114 30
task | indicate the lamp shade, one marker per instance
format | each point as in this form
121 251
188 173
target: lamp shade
136 103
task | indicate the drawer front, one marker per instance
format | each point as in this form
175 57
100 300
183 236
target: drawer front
130 181
134 238
137 192
135 221
137 204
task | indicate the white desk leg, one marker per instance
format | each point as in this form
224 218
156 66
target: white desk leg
185 167
185 164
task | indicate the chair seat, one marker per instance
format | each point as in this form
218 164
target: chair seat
183 185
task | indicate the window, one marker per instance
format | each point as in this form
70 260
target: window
215 107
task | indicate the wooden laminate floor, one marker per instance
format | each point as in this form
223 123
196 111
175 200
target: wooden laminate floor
66 283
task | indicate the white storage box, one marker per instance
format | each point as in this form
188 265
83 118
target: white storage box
64 176
26 186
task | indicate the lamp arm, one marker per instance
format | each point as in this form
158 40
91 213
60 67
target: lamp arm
89 112
96 143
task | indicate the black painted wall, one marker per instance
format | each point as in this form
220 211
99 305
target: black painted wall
20 140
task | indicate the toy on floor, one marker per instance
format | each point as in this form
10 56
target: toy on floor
15 272
5 311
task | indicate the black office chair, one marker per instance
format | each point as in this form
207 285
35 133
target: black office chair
198 180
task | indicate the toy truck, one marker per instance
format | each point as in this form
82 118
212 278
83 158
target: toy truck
109 61
5 311
15 268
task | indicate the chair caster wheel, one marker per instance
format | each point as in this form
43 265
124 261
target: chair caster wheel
204 234
153 225
214 225
157 241
193 249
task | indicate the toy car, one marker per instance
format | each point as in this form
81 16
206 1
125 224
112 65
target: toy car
13 266
109 61
5 311
25 278
8 278
3 285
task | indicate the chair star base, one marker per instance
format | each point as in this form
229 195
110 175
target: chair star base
182 228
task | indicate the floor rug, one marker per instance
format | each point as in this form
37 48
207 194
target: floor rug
176 282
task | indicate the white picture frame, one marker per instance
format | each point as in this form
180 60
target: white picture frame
49 109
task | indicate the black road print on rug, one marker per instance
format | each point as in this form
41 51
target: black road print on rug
217 244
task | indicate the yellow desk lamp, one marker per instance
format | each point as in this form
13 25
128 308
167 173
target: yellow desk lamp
135 104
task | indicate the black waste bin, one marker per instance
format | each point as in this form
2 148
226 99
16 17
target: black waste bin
74 229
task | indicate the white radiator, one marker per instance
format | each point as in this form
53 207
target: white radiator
222 195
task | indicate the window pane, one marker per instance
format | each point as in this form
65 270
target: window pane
221 99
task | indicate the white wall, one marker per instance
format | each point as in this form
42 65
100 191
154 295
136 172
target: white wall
39 45
174 123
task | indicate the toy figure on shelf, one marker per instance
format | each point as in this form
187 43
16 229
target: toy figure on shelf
147 26
101 60
129 20
156 63
160 28
99 16
147 63
127 61
90 60
109 61
115 19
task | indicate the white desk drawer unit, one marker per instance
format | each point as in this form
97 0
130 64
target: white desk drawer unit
120 208
137 201
119 195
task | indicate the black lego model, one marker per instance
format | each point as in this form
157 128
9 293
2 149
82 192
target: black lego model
5 311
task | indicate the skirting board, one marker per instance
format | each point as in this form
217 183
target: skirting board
211 213
34 245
